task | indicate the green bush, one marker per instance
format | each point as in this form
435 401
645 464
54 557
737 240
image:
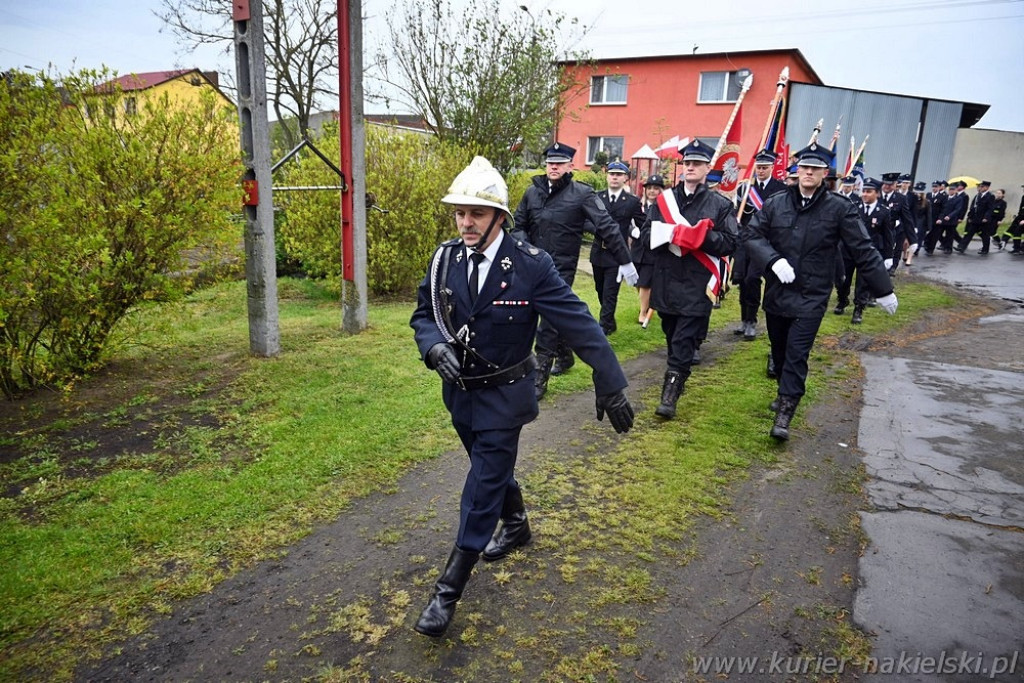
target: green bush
98 213
408 174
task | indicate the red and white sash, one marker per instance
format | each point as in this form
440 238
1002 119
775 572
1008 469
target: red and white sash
661 233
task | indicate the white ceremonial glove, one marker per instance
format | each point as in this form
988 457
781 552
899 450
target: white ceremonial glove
889 303
635 233
888 263
628 272
784 271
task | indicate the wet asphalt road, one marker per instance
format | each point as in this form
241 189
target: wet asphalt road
942 432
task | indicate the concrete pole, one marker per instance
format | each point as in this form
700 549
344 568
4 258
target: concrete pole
260 261
353 164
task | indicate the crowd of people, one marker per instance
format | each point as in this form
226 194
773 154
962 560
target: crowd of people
496 315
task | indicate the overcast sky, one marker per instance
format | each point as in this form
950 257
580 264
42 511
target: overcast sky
966 50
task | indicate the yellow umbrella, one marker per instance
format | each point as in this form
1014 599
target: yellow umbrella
971 182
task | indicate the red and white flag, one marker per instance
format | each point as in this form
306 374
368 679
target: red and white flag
662 231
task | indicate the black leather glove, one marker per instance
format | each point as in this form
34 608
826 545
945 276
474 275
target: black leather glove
620 413
442 357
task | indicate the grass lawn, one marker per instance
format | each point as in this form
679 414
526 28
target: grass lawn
187 460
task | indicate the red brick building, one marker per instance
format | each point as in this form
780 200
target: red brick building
623 104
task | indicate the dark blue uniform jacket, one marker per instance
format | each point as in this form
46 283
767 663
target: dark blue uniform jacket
522 284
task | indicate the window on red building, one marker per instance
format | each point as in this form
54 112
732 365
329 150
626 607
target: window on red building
610 145
719 86
608 89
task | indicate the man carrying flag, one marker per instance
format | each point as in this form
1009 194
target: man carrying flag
690 229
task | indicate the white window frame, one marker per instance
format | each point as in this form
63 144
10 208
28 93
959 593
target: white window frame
731 77
622 79
594 147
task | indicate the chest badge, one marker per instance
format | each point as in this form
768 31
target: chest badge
506 264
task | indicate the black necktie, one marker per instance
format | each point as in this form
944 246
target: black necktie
611 199
474 275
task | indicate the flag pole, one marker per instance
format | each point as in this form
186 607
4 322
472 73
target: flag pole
780 87
747 82
816 132
861 150
835 135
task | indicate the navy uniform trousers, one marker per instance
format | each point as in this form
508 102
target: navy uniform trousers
792 340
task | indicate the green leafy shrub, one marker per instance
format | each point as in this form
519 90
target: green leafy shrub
99 212
408 174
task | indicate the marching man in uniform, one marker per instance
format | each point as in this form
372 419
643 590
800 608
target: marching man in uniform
689 229
475 321
793 241
553 214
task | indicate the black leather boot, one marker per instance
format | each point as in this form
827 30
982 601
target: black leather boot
750 329
564 359
540 380
515 528
670 392
787 407
438 613
770 370
858 315
742 329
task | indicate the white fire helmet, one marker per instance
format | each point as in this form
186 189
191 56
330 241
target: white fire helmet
479 184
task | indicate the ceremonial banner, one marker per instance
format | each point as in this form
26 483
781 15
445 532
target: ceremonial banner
729 162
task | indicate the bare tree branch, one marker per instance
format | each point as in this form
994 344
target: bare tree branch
301 43
479 76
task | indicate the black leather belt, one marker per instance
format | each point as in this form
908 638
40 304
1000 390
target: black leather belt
508 375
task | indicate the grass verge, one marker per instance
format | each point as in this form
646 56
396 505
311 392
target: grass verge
99 532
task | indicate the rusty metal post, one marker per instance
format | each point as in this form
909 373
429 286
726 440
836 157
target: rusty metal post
353 165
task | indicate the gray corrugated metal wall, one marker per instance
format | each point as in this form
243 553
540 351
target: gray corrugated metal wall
892 121
941 123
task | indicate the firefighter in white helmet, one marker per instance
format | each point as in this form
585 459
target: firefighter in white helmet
475 322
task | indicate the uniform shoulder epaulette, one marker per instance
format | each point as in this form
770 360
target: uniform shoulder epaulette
528 248
452 242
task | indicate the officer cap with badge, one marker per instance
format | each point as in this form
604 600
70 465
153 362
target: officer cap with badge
815 155
764 157
873 183
618 167
890 178
656 180
697 151
559 153
849 180
919 186
904 178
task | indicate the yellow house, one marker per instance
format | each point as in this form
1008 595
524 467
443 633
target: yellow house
182 86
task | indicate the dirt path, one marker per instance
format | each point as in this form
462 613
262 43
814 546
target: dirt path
773 576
